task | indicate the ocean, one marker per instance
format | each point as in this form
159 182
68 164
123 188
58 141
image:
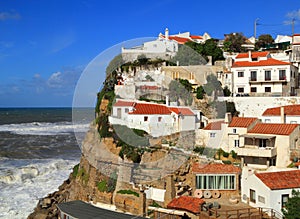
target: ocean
38 149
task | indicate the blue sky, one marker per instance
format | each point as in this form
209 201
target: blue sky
45 45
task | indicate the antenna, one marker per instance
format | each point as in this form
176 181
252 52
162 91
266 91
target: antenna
255 24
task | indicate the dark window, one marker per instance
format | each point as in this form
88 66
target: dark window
240 90
282 75
267 89
252 196
234 130
145 118
253 90
240 74
126 110
236 143
284 200
159 119
262 143
267 75
253 76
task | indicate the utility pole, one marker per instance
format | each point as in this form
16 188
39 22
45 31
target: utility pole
255 24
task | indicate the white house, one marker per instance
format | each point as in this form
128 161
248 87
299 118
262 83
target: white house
269 190
156 119
257 74
282 114
269 144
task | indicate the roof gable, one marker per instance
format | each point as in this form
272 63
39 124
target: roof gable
215 168
214 125
121 103
242 122
150 109
253 55
182 111
280 180
290 110
273 128
186 203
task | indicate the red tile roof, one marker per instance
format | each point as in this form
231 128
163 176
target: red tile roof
273 128
268 62
215 168
150 109
179 40
242 122
124 103
253 55
196 37
280 180
149 87
290 110
182 111
214 125
186 203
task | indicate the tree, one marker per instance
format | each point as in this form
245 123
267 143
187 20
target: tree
187 56
263 41
291 210
187 85
234 41
226 91
200 92
179 92
212 85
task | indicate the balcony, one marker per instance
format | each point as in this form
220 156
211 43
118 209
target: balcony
255 151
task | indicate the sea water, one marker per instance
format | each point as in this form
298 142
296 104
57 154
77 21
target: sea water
38 150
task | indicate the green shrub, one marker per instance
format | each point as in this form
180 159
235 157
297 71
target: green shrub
83 175
75 170
233 154
199 150
225 154
102 186
226 161
156 205
129 192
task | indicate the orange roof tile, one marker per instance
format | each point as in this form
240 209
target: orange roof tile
150 109
280 180
273 128
253 55
268 62
186 203
214 125
290 110
179 40
242 122
124 103
215 168
182 111
196 37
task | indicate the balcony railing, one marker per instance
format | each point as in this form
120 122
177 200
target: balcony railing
255 151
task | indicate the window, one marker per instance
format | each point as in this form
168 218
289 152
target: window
261 199
212 134
145 118
252 196
236 143
253 76
234 130
240 90
217 182
284 200
267 75
126 110
293 122
159 119
240 74
262 143
267 120
253 89
267 89
282 75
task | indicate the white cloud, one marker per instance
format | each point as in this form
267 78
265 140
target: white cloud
55 80
9 16
294 14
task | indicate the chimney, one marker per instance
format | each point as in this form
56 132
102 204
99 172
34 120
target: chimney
167 100
249 55
167 33
282 115
228 118
209 60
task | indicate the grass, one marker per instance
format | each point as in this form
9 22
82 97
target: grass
102 186
75 170
129 192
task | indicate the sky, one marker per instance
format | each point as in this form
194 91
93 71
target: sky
47 46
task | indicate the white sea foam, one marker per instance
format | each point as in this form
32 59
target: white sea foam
44 128
24 182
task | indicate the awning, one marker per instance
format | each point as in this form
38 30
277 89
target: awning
259 136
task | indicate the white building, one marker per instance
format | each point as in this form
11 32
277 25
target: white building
269 190
282 114
257 74
156 119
